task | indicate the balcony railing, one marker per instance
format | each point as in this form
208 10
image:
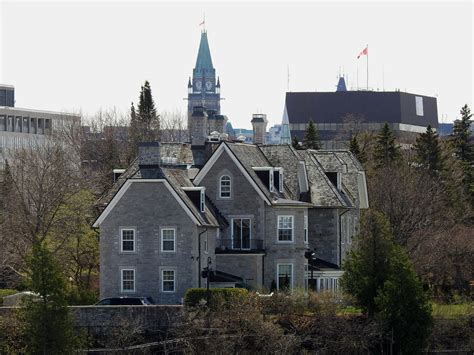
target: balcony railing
233 245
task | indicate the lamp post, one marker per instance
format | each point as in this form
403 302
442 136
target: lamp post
208 272
310 255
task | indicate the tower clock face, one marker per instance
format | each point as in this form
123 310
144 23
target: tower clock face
208 85
198 84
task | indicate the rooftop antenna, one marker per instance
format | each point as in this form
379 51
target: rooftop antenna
288 67
383 78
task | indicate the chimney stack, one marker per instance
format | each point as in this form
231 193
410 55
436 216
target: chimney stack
198 125
149 155
259 124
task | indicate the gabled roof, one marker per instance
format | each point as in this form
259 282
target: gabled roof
285 155
322 191
180 151
243 161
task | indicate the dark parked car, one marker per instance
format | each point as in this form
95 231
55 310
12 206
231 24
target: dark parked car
126 301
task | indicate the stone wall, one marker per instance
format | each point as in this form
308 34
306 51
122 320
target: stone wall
102 319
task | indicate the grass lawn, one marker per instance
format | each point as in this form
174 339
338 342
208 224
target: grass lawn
6 292
452 310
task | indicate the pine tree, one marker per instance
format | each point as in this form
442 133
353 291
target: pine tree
48 324
144 124
147 114
380 277
355 149
385 151
428 150
461 135
463 148
311 138
295 143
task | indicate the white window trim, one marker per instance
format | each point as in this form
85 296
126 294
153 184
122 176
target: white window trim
292 230
174 280
230 187
134 240
306 235
174 239
278 275
232 233
203 200
122 269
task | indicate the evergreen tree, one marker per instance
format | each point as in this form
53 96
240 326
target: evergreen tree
311 138
380 277
385 151
144 124
147 116
355 149
295 143
428 150
464 149
48 324
461 135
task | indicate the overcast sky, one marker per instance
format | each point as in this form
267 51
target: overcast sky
89 55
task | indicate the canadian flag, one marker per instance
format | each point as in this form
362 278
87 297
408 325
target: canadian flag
365 51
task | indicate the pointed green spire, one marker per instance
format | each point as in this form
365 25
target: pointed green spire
204 65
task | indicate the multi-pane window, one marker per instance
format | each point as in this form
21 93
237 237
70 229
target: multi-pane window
241 233
128 280
285 228
225 187
168 240
285 276
168 280
327 284
128 240
306 229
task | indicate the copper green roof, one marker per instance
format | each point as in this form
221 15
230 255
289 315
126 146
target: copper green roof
204 65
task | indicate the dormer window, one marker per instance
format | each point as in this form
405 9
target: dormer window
278 178
271 176
197 194
335 178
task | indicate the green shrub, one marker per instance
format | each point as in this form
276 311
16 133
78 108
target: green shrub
6 292
194 296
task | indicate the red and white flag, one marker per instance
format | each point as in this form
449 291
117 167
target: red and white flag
365 51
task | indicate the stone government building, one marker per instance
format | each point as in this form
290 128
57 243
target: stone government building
250 212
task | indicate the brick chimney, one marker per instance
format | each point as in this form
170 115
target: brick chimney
197 126
259 124
149 155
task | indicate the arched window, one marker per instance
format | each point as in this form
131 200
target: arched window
225 186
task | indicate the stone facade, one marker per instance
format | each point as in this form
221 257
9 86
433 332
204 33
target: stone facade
148 208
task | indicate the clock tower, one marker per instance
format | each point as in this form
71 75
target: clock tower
203 88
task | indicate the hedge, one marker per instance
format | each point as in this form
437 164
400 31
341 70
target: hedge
194 296
6 292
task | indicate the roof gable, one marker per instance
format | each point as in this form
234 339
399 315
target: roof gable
118 196
249 174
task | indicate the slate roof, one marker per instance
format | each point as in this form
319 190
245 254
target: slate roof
323 193
346 163
175 175
285 155
181 151
250 156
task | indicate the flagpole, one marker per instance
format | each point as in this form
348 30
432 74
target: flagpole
367 67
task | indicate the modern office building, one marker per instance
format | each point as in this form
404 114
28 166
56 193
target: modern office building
341 114
20 128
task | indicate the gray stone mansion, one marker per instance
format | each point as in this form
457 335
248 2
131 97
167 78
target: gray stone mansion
259 216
